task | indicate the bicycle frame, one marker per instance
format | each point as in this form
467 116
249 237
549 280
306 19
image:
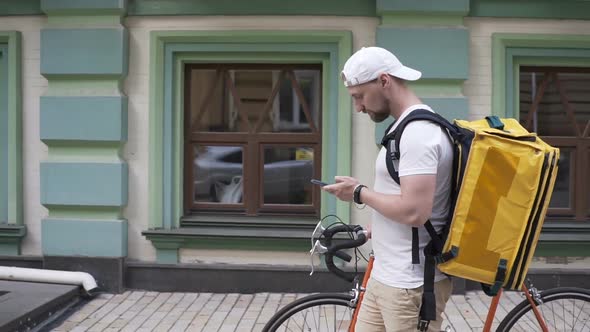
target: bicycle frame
351 302
496 300
358 290
361 294
489 318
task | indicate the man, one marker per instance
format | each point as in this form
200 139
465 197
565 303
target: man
376 80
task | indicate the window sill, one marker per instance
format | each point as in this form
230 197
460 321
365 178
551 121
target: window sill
565 239
554 230
231 232
10 238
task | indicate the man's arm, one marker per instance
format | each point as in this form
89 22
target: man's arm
412 207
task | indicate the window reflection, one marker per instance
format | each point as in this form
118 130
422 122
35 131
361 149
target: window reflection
237 100
561 191
218 174
287 175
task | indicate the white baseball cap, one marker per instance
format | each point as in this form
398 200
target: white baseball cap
368 63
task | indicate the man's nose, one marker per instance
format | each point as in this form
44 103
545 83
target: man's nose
360 108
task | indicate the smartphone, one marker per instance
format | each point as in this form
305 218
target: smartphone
318 182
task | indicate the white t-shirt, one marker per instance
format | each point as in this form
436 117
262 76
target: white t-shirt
424 149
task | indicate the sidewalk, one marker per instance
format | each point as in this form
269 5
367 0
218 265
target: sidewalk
155 311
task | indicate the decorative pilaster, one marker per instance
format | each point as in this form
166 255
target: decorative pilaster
12 228
430 36
84 56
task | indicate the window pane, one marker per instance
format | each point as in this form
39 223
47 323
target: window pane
558 90
292 111
218 174
237 100
561 197
275 109
208 101
287 175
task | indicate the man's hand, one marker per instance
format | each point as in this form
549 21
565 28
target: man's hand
343 189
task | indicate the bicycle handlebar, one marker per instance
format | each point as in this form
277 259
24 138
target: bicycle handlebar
360 238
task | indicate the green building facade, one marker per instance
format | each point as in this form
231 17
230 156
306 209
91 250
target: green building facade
154 143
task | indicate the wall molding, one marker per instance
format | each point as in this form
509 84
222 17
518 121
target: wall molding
170 50
11 196
83 122
564 9
509 51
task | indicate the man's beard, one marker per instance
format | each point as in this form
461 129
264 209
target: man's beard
381 112
378 117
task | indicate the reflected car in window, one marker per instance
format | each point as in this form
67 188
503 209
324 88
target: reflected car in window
218 172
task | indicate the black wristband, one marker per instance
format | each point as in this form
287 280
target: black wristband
356 197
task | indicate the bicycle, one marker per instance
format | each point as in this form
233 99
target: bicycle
338 311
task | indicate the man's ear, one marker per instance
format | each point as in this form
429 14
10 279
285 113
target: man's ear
384 80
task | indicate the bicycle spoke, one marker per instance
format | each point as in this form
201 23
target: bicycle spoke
564 320
583 315
335 316
576 318
287 328
342 319
326 316
304 321
553 311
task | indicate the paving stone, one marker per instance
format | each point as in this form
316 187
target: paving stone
139 311
467 311
209 308
217 319
145 313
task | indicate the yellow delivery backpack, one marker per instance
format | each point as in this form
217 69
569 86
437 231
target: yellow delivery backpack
503 178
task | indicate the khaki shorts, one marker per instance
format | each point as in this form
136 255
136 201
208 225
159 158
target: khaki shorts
392 309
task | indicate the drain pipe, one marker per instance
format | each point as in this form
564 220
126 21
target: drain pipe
51 276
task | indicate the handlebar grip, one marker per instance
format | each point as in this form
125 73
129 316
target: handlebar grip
335 250
334 269
328 233
359 241
342 255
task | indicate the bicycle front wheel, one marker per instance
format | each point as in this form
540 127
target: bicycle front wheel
329 312
562 309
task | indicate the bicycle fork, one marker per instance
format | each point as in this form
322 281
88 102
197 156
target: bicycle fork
537 299
534 298
363 286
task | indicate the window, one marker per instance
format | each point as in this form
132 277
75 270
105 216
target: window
555 103
252 136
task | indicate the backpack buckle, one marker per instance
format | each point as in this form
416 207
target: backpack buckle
423 325
438 259
447 256
393 153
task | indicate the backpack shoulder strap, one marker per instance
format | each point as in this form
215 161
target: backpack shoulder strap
391 143
391 140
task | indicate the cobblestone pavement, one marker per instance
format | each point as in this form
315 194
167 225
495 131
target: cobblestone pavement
155 311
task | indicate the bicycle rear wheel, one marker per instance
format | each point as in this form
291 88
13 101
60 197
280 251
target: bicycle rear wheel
329 312
563 309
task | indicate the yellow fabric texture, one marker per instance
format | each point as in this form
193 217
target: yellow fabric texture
502 201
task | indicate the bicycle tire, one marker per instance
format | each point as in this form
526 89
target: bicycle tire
522 318
303 312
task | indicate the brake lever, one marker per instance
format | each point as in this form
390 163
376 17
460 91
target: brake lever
316 248
318 231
